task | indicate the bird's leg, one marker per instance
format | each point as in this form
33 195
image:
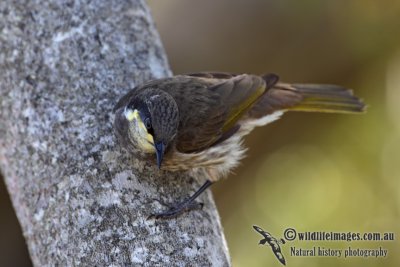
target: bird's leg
187 204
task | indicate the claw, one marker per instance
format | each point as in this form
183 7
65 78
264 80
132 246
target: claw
177 210
186 205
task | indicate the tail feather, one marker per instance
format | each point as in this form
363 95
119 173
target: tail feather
325 98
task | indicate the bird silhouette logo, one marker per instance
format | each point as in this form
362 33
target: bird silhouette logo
272 242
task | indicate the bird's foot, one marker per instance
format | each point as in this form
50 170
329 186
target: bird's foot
175 210
187 205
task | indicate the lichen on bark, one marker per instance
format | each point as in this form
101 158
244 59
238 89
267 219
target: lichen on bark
79 198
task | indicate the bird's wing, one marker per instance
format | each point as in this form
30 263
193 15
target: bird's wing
213 75
211 111
277 98
276 249
262 232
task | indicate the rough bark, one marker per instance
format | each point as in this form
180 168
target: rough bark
80 199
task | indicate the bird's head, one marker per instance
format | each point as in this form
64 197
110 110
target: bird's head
148 122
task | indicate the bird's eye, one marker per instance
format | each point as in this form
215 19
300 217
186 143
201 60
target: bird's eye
147 123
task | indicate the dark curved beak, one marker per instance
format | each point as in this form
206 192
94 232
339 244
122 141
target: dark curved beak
160 149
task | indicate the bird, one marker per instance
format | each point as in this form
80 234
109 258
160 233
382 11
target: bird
196 122
273 242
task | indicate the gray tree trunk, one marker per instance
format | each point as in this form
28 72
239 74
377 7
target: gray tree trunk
80 199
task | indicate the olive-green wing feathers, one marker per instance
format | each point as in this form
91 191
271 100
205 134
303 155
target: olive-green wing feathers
217 107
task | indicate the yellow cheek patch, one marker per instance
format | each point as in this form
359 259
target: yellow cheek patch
144 140
150 139
130 114
146 146
140 123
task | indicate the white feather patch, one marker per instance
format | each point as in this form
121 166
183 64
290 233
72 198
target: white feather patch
266 119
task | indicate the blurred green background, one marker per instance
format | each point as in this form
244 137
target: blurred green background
312 172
